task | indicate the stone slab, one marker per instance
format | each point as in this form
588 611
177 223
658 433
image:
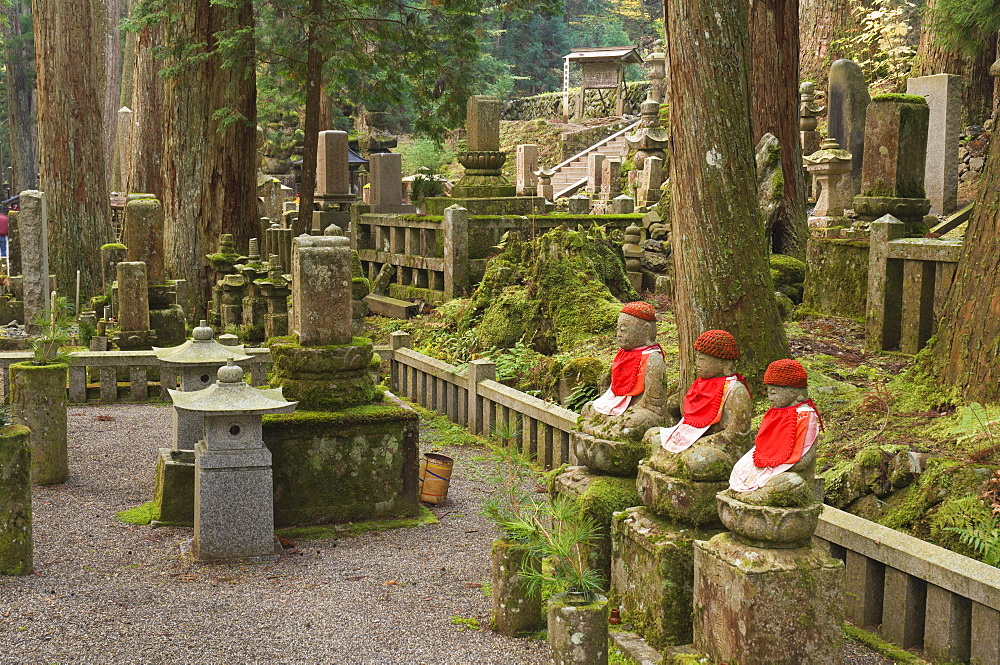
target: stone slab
391 307
616 458
767 607
173 497
944 97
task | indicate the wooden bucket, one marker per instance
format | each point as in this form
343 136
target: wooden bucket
435 477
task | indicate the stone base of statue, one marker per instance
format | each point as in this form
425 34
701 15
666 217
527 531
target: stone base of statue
327 378
134 340
597 497
616 458
767 526
909 211
173 498
761 606
679 499
170 325
652 571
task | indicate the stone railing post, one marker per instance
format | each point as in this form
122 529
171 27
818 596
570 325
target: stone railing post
479 370
456 251
885 286
397 340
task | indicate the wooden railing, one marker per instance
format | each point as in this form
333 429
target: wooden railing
918 595
908 280
114 376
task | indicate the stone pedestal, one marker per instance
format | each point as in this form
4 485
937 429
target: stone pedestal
38 393
652 571
616 458
687 501
16 554
767 606
514 609
173 498
578 632
483 158
526 180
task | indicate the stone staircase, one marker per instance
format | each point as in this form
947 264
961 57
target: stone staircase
571 175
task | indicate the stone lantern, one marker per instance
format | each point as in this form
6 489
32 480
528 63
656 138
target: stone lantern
657 63
650 139
827 165
234 497
196 361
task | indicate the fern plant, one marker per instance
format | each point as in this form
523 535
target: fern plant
580 395
983 538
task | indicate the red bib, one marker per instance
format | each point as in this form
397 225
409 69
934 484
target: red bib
782 435
703 402
628 371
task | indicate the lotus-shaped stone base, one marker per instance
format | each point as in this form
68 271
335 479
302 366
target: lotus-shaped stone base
766 526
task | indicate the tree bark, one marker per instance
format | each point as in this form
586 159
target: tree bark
20 63
146 101
107 38
774 66
965 353
314 86
822 22
721 269
208 169
72 158
932 58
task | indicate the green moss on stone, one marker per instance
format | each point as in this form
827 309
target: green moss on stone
900 97
143 514
326 532
321 422
877 644
113 245
607 495
880 188
787 270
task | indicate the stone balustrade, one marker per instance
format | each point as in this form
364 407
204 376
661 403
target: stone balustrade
124 376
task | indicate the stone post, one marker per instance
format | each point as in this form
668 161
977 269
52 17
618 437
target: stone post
133 331
321 290
39 396
526 165
611 179
13 244
622 205
650 180
479 420
544 189
944 97
595 170
456 251
111 255
33 229
333 181
398 340
123 145
579 205
16 554
885 286
847 102
144 237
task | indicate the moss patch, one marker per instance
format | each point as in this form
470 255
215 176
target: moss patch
143 514
351 529
887 649
900 97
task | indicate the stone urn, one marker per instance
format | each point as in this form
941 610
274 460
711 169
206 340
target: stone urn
15 501
578 629
38 393
515 608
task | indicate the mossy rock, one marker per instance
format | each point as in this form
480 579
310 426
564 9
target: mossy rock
787 270
507 320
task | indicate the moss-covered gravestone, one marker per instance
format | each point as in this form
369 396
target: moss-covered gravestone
514 608
15 501
39 396
350 452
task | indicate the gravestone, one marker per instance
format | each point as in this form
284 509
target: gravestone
611 179
333 196
847 109
650 180
526 165
386 185
133 333
944 98
321 291
482 124
33 230
595 164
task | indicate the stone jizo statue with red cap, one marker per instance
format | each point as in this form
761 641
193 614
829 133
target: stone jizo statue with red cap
779 470
715 428
636 399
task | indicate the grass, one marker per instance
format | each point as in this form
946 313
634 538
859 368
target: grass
139 515
465 623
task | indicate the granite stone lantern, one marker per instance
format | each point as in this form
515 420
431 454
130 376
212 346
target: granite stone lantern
196 362
234 496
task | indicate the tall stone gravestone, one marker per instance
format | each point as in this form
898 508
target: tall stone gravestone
893 176
134 332
847 109
524 174
333 182
33 229
944 98
386 185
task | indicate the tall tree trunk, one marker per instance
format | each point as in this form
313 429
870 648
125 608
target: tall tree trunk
774 67
965 353
721 269
146 102
20 66
107 38
933 58
209 169
72 159
821 22
314 86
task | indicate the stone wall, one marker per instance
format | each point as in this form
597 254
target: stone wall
836 277
549 105
972 152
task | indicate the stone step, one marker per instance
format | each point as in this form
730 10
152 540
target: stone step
391 307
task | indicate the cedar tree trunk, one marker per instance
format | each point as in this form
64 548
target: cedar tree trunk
774 67
314 86
71 147
20 65
821 23
146 102
208 168
721 269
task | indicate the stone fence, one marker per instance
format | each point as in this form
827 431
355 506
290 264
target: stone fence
922 595
908 280
123 376
441 257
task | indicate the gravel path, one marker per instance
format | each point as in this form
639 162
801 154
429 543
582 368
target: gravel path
108 592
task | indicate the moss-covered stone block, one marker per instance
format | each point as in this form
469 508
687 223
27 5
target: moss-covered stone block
359 463
652 574
578 632
617 458
170 325
173 498
40 398
598 497
837 278
326 378
16 553
514 608
767 606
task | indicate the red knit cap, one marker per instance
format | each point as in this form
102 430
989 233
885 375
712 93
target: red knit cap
718 343
640 310
786 372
